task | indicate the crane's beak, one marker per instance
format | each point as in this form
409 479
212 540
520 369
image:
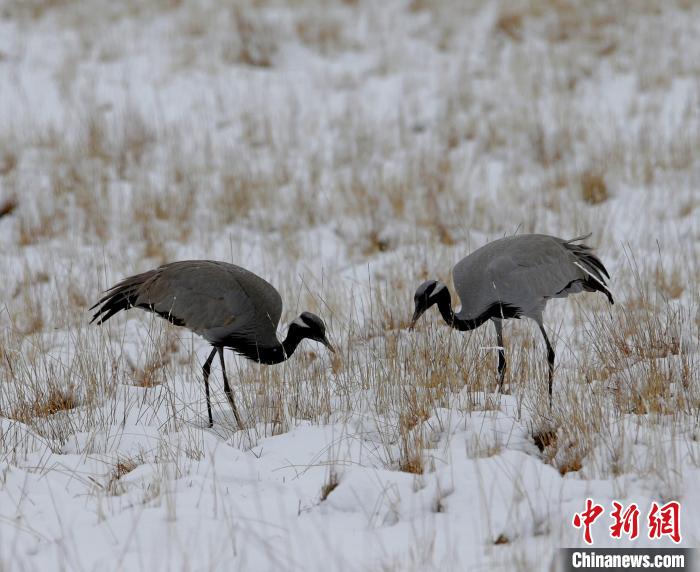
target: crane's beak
326 343
417 314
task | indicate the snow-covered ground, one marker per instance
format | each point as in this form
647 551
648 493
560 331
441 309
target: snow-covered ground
346 152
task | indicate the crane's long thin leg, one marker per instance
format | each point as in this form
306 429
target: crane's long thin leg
227 389
550 360
498 324
206 368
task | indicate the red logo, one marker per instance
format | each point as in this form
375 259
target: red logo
661 521
665 521
587 518
627 521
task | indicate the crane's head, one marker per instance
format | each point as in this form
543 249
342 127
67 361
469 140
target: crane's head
426 295
311 326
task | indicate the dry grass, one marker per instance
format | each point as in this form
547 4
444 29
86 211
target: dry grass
593 188
256 40
325 32
8 206
31 9
122 467
53 401
330 485
154 371
510 23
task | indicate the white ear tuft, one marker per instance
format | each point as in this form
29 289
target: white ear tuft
439 288
300 322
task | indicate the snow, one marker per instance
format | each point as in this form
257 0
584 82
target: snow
345 170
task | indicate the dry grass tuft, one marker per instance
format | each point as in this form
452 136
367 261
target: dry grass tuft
332 481
544 439
375 243
256 40
572 463
323 31
154 372
644 334
594 190
411 444
671 285
31 9
510 23
439 506
8 162
123 466
55 400
8 206
412 460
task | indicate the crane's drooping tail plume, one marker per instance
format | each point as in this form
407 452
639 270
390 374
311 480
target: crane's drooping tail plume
124 295
591 265
121 296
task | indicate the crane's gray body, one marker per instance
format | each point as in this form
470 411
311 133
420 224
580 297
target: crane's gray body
227 305
514 277
216 300
524 272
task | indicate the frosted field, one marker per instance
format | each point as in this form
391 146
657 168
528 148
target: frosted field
345 152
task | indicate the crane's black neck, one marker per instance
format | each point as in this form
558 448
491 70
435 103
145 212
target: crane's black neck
268 355
495 310
290 343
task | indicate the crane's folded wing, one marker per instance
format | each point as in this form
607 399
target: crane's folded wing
213 299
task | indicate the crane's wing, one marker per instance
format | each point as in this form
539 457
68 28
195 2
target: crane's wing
525 271
214 299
